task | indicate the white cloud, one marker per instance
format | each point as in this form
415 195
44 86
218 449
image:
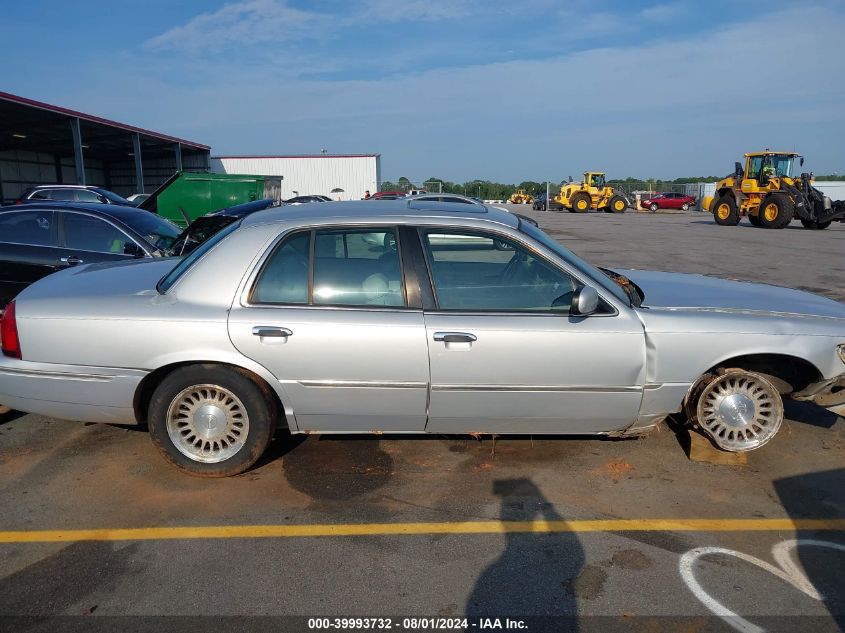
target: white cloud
663 12
244 22
668 107
420 10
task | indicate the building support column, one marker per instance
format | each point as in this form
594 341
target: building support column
177 149
77 151
139 166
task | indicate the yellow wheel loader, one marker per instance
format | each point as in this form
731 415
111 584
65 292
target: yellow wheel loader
765 191
520 197
591 193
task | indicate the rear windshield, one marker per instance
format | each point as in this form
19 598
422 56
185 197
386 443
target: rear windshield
173 276
156 230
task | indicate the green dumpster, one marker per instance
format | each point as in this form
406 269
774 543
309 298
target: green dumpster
185 196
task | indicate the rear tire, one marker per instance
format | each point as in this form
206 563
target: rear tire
724 211
211 421
776 212
581 202
815 225
755 220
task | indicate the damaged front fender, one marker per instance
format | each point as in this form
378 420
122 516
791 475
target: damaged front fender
829 394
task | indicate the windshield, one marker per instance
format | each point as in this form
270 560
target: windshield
156 230
112 196
170 278
590 271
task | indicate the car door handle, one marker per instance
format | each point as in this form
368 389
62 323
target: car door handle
455 337
272 332
72 260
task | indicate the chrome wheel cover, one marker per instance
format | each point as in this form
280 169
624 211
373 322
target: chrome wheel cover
207 423
741 411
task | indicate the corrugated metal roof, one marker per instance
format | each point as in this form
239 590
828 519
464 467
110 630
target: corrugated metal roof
245 156
6 96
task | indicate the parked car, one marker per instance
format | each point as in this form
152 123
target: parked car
446 197
540 204
388 195
203 228
137 199
306 199
72 193
499 329
40 238
668 201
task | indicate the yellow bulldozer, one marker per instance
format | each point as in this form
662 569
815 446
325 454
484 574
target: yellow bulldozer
591 193
765 191
520 197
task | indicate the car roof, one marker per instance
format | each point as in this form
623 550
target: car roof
368 210
60 186
115 211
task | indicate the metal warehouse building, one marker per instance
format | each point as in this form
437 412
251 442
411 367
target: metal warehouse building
46 144
339 176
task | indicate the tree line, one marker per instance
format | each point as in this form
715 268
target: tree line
488 190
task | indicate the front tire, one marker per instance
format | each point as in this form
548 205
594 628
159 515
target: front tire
815 225
653 207
211 421
618 204
754 219
776 212
724 211
739 410
685 206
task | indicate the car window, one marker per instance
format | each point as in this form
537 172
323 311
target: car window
350 268
474 271
27 227
40 195
357 267
83 195
62 194
284 278
86 233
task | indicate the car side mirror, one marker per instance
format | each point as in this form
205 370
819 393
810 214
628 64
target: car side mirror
130 248
585 301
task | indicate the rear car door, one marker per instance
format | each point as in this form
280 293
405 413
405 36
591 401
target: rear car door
87 238
330 315
505 354
28 250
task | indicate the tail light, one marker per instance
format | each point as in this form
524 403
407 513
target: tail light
9 332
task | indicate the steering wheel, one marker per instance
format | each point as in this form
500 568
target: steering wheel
512 266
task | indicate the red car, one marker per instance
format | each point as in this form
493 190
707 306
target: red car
668 201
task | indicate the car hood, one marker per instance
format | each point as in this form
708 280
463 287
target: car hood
699 292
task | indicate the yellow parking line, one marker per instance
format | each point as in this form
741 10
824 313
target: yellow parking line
393 529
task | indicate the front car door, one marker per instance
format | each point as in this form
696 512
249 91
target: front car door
28 250
507 356
328 312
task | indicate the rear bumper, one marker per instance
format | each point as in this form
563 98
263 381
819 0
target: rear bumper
829 394
70 392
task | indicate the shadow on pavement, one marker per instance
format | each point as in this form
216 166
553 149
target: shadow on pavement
537 574
819 495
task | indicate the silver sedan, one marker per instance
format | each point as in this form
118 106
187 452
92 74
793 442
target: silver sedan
455 318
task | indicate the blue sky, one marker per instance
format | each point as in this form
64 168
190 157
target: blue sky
457 89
